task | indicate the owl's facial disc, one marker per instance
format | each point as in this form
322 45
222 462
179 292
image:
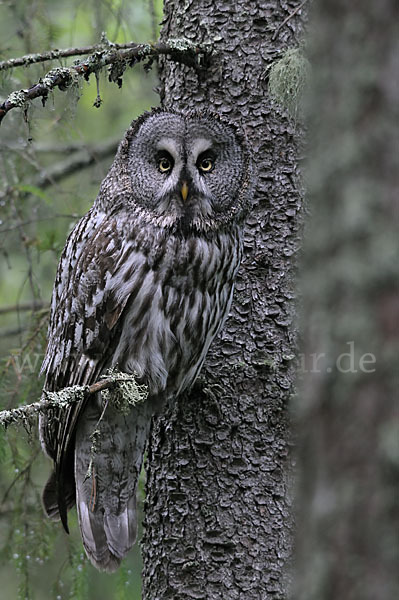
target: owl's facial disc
185 171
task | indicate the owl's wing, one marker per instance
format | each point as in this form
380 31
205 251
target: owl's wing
85 314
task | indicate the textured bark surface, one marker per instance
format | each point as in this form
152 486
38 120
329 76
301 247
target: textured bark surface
218 521
348 509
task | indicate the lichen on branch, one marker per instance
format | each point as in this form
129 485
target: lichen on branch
57 54
121 389
110 55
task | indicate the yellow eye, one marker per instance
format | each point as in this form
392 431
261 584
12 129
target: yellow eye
206 165
165 165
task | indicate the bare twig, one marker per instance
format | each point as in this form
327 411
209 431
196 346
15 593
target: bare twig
24 306
79 160
294 12
5 333
19 475
182 51
43 147
36 220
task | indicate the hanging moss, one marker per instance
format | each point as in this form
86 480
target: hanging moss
288 78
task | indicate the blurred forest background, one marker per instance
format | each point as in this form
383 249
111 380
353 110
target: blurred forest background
53 143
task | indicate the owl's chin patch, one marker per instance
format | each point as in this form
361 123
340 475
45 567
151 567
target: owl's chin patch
184 218
184 225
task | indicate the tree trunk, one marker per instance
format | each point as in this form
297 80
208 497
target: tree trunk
218 519
347 546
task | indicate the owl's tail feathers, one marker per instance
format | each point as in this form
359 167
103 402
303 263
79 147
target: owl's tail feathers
106 481
108 538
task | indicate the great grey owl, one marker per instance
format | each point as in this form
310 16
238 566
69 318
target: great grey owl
144 284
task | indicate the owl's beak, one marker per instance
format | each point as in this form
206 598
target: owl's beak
184 191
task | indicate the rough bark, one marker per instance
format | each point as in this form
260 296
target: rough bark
347 546
218 518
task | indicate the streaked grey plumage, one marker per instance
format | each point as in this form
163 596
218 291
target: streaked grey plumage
144 283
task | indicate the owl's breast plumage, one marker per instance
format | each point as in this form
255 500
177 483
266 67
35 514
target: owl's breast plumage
181 294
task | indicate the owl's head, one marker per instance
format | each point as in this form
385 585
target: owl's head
188 172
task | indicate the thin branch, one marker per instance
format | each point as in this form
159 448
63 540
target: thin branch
79 160
294 12
24 306
68 396
39 219
43 147
30 59
9 510
19 475
6 333
182 51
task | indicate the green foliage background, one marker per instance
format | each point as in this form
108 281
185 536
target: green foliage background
37 560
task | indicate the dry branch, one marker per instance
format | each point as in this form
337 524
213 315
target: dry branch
79 160
294 12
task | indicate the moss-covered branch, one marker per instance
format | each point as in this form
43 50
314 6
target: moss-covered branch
111 56
126 393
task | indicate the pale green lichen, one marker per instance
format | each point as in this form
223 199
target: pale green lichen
18 98
123 395
66 396
69 78
181 45
123 392
195 55
144 50
126 394
288 78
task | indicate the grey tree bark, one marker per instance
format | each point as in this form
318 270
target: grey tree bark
347 545
218 516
